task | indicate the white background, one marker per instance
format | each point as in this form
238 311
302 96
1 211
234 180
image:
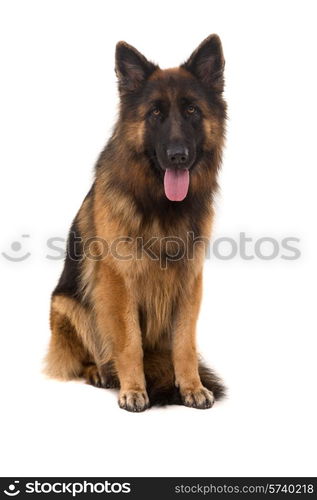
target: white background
258 320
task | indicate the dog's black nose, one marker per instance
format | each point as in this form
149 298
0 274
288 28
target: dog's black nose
177 155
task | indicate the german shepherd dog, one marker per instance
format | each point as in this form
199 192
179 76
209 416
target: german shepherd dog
124 312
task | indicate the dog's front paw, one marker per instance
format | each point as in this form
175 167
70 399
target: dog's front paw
199 398
134 401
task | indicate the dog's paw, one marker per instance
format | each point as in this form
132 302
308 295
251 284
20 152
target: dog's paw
92 376
200 398
134 401
100 378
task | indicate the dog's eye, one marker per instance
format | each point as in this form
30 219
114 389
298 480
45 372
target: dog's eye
190 109
156 111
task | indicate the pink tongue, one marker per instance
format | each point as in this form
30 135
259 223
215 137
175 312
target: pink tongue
176 183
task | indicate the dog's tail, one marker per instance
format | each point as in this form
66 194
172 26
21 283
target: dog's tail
160 379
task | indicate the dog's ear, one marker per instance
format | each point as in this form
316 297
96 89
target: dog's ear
132 68
207 63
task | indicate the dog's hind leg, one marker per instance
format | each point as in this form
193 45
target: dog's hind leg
72 344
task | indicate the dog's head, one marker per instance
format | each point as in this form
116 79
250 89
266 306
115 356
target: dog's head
175 117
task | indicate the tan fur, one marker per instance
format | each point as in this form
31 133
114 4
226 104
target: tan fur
66 354
81 320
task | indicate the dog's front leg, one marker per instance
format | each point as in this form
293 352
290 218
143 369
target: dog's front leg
185 356
119 329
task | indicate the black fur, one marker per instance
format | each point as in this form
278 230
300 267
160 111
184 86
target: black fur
69 282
